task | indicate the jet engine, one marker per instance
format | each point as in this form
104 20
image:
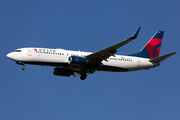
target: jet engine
77 60
62 72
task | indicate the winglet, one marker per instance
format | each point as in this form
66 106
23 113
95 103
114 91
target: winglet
161 58
136 33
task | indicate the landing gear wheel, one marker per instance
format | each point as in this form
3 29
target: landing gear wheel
23 68
83 77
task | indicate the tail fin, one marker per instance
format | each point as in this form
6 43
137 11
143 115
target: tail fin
152 48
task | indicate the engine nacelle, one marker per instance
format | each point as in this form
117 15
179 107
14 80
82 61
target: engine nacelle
62 72
77 60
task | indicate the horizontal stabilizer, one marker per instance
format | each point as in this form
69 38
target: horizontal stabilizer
161 58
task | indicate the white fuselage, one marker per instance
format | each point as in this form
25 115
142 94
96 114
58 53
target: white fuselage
59 58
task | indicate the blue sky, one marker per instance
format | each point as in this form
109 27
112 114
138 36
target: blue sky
88 26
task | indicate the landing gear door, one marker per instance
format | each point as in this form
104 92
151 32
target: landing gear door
29 52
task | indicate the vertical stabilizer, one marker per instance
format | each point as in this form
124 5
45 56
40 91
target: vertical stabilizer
152 48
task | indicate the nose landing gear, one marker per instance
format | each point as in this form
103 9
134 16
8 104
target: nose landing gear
23 68
21 63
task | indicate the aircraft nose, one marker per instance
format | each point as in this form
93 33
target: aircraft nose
9 55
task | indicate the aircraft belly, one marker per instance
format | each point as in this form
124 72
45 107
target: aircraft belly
114 66
55 64
46 61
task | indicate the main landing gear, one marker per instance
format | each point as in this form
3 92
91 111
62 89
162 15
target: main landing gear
83 76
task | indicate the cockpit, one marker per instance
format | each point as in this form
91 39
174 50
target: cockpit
17 51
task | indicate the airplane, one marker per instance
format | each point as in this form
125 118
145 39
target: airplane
80 64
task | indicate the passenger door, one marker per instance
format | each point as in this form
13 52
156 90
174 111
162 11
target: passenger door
29 52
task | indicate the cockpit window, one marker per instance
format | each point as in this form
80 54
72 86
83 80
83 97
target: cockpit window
17 51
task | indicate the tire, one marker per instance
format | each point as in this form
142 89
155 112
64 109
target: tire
83 77
23 68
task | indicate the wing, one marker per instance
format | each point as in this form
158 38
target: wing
103 54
